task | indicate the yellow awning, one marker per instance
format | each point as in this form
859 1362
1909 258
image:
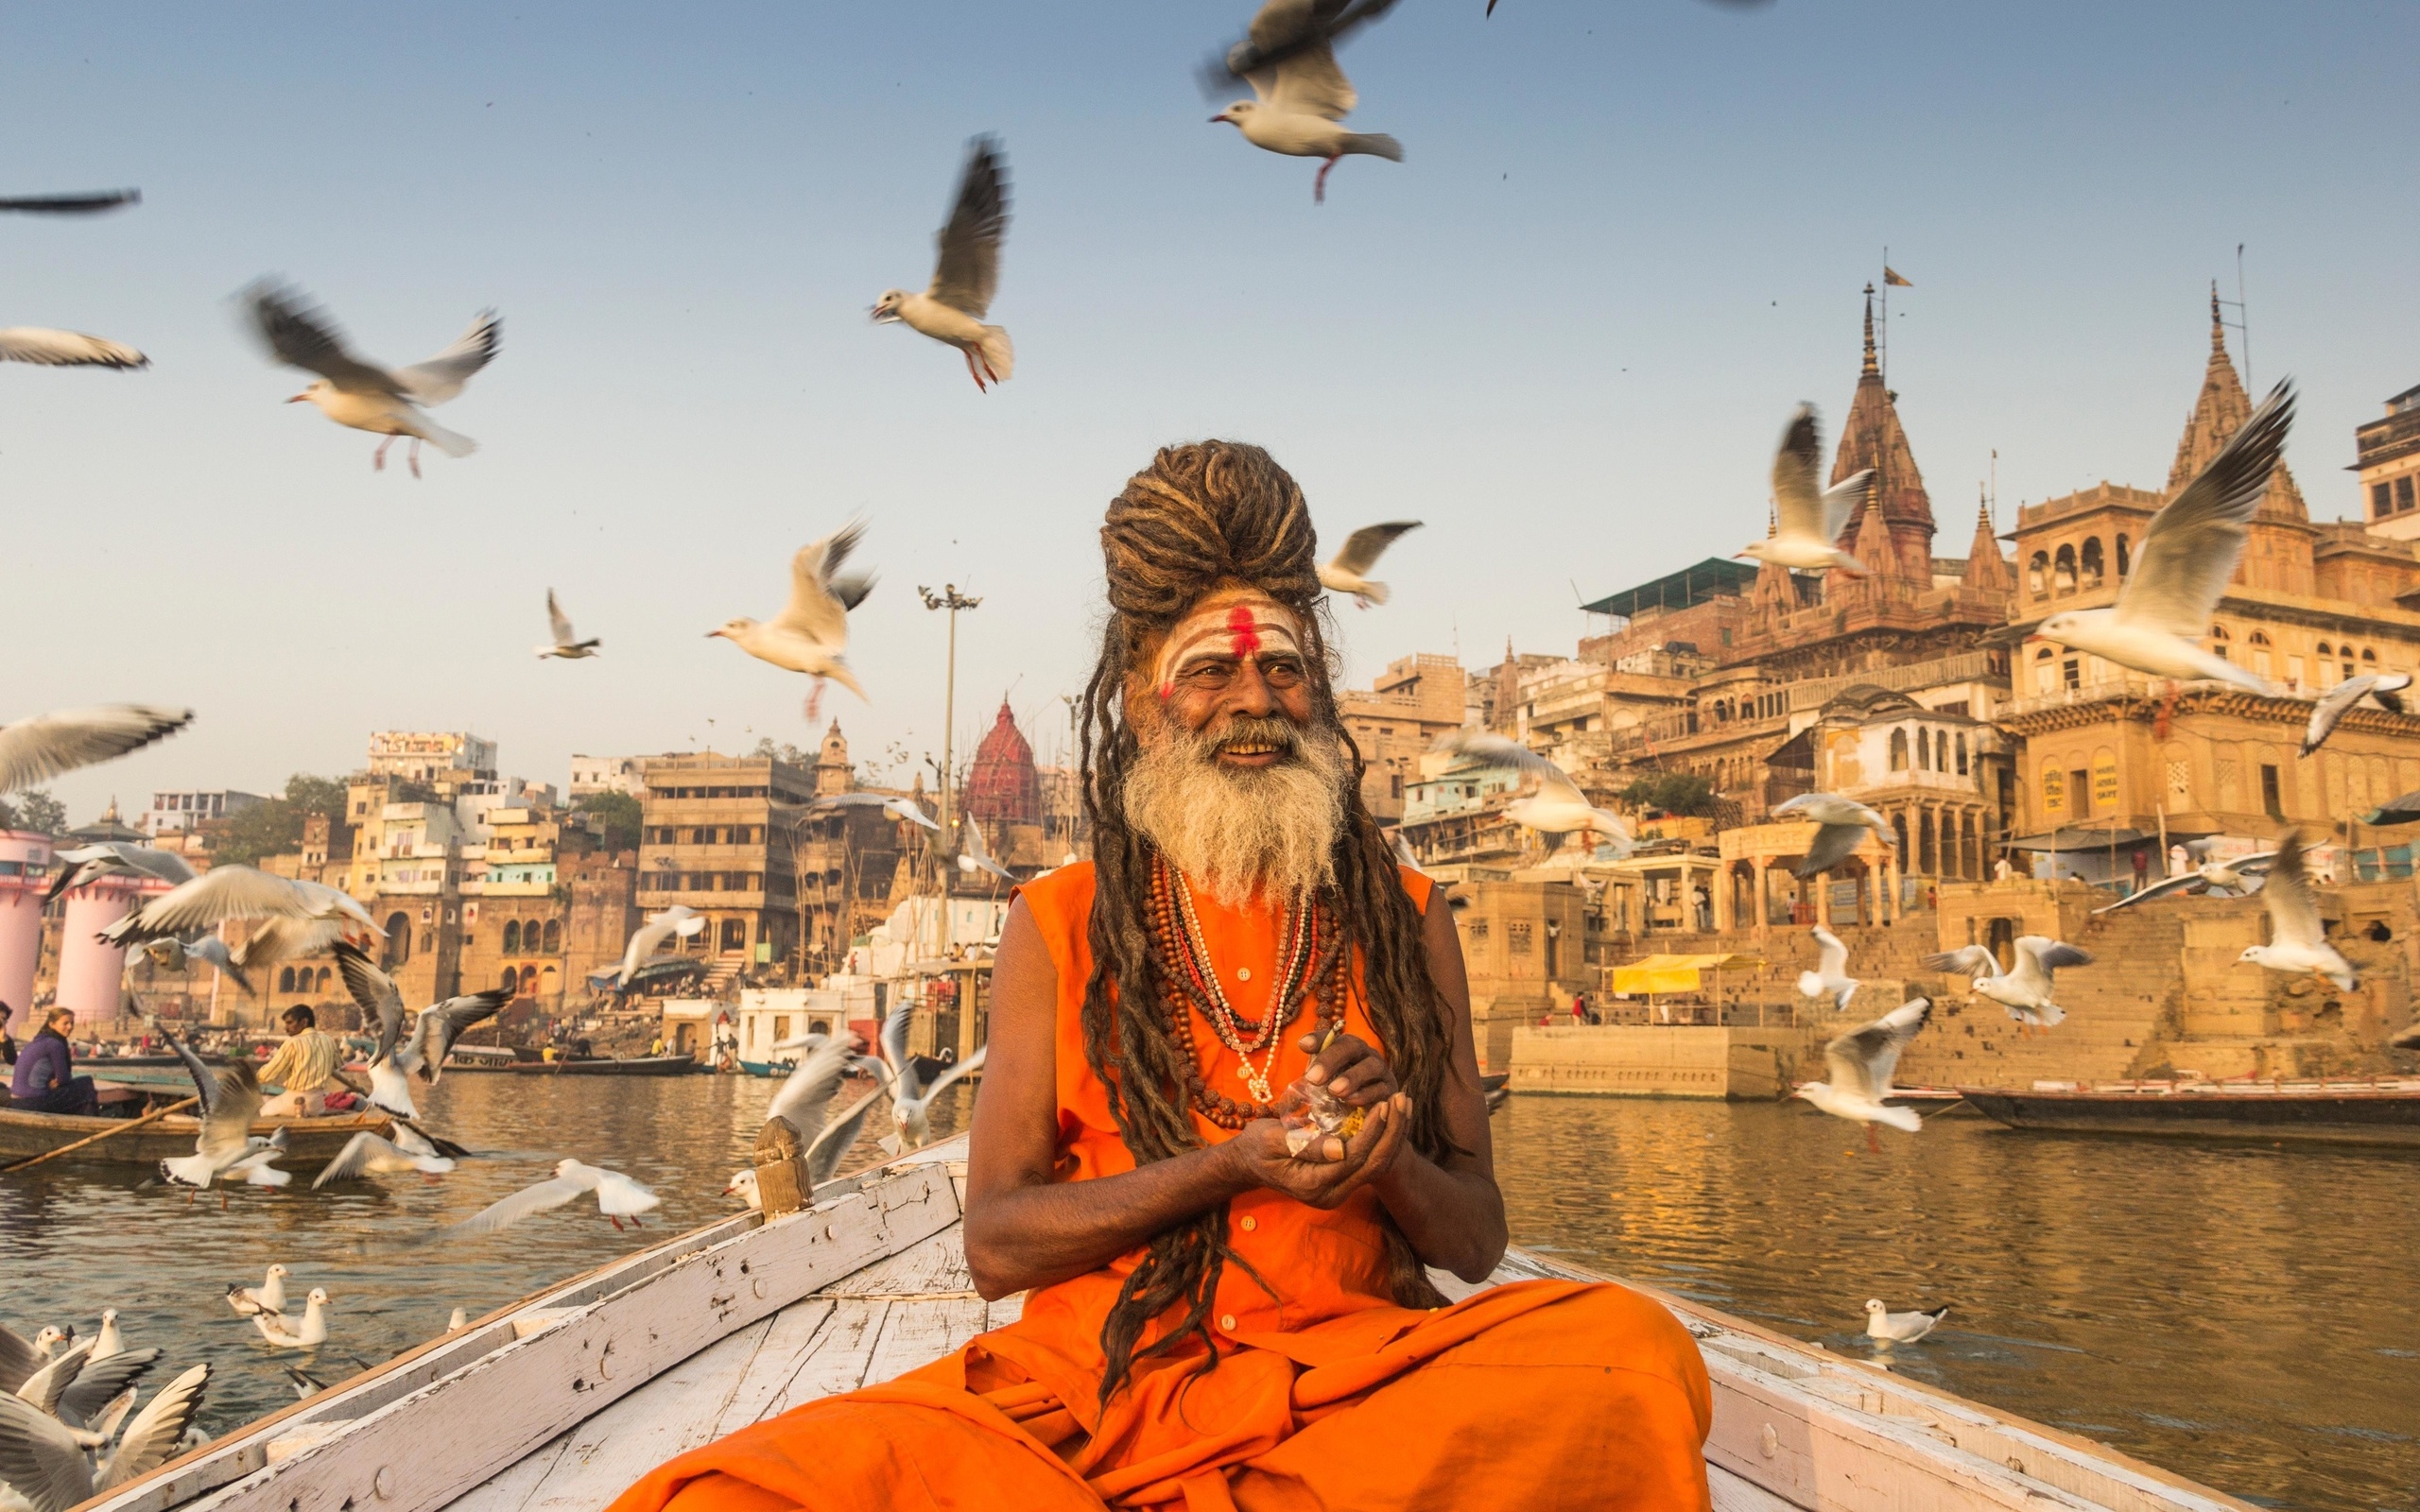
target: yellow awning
1676 974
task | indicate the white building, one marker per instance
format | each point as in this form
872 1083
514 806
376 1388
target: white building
171 812
608 774
423 756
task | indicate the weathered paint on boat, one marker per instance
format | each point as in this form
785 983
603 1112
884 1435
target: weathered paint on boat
560 1401
23 1134
2370 1113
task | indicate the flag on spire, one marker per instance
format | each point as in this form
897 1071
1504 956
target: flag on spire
1890 278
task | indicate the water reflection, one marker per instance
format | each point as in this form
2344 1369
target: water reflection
84 1237
2241 1314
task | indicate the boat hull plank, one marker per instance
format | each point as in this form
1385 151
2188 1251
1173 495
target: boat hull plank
23 1134
2388 1119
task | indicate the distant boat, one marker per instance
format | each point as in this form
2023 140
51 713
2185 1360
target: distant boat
2312 1112
634 1066
24 1133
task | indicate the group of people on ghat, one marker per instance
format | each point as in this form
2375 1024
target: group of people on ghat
1219 1314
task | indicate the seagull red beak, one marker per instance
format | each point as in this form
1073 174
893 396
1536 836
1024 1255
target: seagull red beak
711 634
1222 116
298 398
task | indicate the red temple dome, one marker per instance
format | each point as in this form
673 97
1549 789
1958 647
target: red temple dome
1003 785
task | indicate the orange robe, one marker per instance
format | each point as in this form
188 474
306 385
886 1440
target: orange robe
1532 1396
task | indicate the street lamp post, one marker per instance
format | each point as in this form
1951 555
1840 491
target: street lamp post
952 600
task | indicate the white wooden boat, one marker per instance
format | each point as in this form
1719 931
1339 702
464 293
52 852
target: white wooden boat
559 1403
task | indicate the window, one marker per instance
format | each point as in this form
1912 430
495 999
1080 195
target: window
399 940
2180 784
2379 509
2045 674
2369 656
2071 672
2063 572
2271 802
1516 935
2092 565
1478 929
1941 750
2402 494
1899 750
2037 571
2125 563
734 934
1962 755
286 979
2259 643
554 936
2079 789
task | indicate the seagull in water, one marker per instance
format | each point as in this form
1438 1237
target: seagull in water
1558 807
1348 572
1843 822
1300 96
35 750
1808 517
353 392
2182 567
911 1101
618 1197
1860 1064
811 634
434 1030
1831 978
269 1296
967 273
2385 687
567 643
2297 935
1900 1328
313 1331
2025 990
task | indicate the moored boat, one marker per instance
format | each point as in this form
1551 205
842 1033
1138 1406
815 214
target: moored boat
2380 1112
561 1400
634 1066
23 1135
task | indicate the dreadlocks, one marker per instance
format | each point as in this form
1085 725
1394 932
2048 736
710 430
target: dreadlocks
1200 516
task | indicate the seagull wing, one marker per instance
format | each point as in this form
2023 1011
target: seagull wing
443 376
1972 960
353 1160
1831 958
2057 956
894 1049
158 1431
205 1081
1831 846
271 941
300 336
376 993
2195 541
1363 548
1862 1061
72 204
2331 707
520 1205
838 1136
2388 690
1798 500
45 1386
953 1072
2255 864
1844 499
813 611
557 622
1497 750
967 271
99 1383
40 1459
2158 889
226 1123
229 891
440 1023
36 750
18 1360
1307 81
805 1095
2293 907
65 349
902 808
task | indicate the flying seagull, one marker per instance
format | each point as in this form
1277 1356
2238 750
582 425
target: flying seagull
975 856
1808 517
352 391
366 1153
2230 877
115 858
2386 687
567 643
804 1102
2025 990
434 1029
47 1464
1843 822
1558 807
1860 1064
2297 935
172 954
911 1099
811 634
2182 567
1363 549
231 1099
618 1197
46 348
967 271
680 920
72 204
898 808
1300 95
237 892
39 747
1900 1328
1831 978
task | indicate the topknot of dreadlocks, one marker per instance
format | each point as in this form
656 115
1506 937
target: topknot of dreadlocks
1199 515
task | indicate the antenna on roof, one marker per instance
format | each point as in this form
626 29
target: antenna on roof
2242 321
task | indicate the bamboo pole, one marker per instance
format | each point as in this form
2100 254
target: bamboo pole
105 1134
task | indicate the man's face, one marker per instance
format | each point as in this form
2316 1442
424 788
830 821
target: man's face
293 1024
1231 703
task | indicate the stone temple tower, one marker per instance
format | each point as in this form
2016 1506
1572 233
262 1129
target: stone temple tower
1872 438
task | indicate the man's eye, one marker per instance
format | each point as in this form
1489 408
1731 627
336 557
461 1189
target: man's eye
1282 674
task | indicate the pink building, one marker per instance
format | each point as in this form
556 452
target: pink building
25 874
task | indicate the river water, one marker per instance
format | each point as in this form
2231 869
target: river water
2241 1314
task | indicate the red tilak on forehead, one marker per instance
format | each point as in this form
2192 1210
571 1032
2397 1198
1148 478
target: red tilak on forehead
1248 628
1245 627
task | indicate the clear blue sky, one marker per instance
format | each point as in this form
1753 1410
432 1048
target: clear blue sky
1564 332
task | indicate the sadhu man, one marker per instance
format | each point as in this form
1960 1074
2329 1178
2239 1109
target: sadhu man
1212 1321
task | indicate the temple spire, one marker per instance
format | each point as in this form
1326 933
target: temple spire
1987 571
1871 368
2217 323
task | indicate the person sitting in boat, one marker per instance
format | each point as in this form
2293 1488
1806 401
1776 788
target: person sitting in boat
1215 1318
46 1080
303 1069
8 1042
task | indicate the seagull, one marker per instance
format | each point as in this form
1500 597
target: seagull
42 746
1558 807
1831 978
115 858
72 204
1808 517
269 1296
255 1168
235 891
168 954
458 1320
2297 935
1363 549
109 1341
46 1385
2235 878
2182 567
2404 810
306 1385
743 1185
567 643
967 271
911 1101
1299 93
433 1031
45 1461
2025 990
976 856
2386 687
811 634
1900 1328
1860 1064
361 394
898 808
618 1197
680 920
366 1152
231 1099
1842 821
310 1336
804 1103
46 348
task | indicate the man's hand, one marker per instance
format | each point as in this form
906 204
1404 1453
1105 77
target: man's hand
1330 1169
1356 1075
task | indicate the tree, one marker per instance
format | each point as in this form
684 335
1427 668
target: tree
37 811
767 751
618 815
273 827
1675 793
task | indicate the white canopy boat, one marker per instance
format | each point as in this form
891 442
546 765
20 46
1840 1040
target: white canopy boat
560 1401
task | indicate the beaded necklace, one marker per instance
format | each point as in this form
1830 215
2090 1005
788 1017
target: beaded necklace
1311 967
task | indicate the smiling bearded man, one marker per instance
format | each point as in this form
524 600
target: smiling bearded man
1213 1321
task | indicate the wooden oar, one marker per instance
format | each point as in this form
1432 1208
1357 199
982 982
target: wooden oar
105 1134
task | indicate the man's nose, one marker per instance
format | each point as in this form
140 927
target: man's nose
1250 693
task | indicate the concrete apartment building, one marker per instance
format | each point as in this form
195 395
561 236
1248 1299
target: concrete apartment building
716 834
2386 457
1396 719
170 812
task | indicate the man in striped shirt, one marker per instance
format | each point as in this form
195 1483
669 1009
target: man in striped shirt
304 1068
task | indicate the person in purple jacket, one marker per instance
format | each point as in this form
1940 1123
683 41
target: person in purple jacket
45 1079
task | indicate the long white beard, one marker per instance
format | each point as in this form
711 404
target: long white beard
1269 831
